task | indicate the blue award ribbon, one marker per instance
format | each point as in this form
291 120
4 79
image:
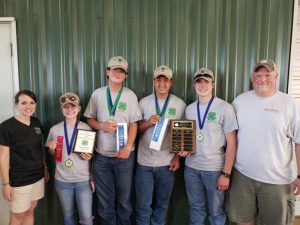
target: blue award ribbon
158 129
70 145
201 124
121 136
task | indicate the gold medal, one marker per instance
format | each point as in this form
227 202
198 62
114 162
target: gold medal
69 163
112 120
200 137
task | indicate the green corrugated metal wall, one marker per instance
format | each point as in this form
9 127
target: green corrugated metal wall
64 45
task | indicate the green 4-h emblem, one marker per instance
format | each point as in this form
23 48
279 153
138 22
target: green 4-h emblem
211 116
84 142
122 106
172 111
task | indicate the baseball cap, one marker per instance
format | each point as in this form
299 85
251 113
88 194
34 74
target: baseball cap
164 71
69 98
118 62
268 64
204 73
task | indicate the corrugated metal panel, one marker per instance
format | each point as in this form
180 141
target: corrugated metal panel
294 76
64 45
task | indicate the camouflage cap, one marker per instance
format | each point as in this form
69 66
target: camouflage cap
204 73
118 62
69 98
268 64
163 71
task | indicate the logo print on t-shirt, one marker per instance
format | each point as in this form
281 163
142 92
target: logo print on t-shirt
37 130
211 116
122 106
172 112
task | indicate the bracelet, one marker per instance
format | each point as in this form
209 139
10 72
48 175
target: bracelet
4 184
227 175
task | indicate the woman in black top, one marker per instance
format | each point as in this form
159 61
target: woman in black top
22 167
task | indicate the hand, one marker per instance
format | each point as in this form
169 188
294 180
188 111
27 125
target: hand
46 175
52 146
123 153
86 156
222 183
175 163
109 127
153 120
7 192
296 186
183 153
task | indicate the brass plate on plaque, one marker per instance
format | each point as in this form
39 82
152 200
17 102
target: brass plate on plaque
183 135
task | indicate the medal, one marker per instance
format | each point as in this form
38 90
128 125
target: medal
112 120
69 163
112 106
158 112
200 137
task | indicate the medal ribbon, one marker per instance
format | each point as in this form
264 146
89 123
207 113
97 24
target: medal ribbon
110 106
70 145
163 112
201 124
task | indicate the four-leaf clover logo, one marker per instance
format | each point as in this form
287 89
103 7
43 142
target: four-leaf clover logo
122 106
211 116
172 111
85 142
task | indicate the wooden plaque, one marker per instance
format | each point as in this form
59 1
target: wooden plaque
183 135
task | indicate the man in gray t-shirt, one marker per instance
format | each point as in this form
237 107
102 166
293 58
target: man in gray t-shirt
207 173
266 176
113 169
155 169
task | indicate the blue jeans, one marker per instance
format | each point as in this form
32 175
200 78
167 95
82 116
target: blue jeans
113 179
80 192
150 180
201 188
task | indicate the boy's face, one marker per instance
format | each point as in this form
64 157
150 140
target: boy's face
116 76
162 84
70 111
203 87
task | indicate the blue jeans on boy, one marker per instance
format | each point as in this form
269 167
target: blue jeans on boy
150 181
79 192
201 188
113 180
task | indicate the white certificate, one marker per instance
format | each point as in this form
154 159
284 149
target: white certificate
85 141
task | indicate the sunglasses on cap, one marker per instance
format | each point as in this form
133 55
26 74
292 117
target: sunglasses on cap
197 78
68 99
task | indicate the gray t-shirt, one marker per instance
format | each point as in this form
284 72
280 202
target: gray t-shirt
127 111
146 155
268 127
220 120
80 171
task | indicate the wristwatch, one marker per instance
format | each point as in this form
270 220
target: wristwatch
227 175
